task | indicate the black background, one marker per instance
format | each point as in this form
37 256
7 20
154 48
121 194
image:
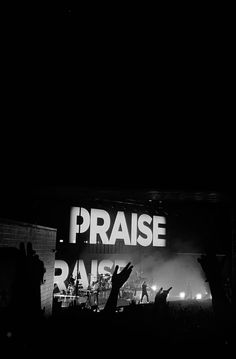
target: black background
123 97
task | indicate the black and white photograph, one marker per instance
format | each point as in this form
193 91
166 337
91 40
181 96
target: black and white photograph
117 188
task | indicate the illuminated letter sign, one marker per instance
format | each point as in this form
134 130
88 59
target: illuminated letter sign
118 233
105 266
144 229
100 230
144 241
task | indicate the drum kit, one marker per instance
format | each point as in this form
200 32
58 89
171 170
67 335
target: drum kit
102 283
97 288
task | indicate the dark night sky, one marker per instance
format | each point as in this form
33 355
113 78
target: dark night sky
95 118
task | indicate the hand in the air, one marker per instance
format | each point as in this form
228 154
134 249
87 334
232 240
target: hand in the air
118 279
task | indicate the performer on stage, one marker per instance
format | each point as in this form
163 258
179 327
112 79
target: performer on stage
97 287
144 292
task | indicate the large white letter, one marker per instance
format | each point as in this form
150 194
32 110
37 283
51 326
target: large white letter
146 230
134 229
158 242
99 229
60 279
120 234
74 226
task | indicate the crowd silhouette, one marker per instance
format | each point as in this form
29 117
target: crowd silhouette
76 328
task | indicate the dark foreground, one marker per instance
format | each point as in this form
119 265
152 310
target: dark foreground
80 332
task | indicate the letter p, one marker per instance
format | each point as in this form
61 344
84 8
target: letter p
79 222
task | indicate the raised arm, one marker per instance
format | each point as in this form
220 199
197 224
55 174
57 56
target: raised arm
118 279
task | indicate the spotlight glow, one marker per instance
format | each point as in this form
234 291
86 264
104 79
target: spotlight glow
199 296
182 295
154 287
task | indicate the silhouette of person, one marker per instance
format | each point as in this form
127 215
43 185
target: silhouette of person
144 292
161 296
118 279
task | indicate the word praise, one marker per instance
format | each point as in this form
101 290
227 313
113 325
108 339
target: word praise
143 229
105 266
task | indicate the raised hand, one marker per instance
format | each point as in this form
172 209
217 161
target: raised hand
162 295
118 279
160 290
168 290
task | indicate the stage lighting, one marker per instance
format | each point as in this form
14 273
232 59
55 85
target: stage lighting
154 287
182 295
199 296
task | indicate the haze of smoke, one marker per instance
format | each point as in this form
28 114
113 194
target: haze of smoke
177 271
